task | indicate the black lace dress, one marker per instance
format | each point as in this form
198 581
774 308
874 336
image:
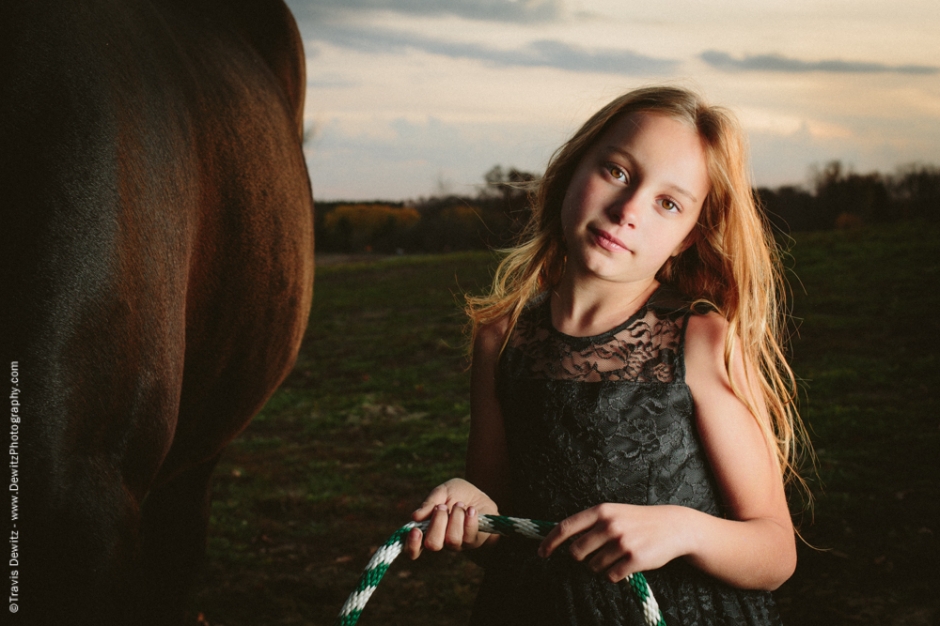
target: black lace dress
603 419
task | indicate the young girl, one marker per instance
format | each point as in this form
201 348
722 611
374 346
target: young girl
628 380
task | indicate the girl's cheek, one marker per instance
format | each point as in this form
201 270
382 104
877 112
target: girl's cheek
566 218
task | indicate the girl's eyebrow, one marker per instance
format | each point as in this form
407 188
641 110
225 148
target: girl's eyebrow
674 187
620 151
680 191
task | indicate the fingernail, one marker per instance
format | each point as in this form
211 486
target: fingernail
472 512
461 505
441 507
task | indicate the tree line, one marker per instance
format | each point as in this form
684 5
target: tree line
841 198
837 198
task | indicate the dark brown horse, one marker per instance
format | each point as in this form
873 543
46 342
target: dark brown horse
156 270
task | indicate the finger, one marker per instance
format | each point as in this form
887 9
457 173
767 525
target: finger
437 496
454 536
607 557
413 543
593 541
471 527
565 529
621 569
437 528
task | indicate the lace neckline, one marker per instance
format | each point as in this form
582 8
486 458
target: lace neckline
663 298
646 347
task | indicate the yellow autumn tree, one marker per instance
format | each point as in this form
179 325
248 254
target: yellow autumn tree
360 226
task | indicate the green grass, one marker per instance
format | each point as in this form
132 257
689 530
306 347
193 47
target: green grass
373 416
376 413
867 350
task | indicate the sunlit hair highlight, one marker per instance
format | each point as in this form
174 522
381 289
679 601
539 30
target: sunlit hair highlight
732 263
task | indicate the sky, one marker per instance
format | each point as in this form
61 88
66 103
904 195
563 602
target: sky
413 98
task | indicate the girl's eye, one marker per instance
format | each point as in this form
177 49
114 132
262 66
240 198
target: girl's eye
670 206
616 173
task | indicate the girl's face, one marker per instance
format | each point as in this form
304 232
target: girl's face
634 198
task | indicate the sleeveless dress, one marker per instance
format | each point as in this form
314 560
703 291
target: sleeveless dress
600 419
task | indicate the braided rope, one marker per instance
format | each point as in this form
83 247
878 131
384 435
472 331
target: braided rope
493 524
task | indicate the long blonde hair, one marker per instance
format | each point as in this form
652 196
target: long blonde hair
732 263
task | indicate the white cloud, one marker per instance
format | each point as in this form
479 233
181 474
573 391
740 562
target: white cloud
780 63
537 53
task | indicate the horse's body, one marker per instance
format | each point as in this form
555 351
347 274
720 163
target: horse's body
156 270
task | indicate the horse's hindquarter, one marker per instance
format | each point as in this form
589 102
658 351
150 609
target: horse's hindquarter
251 270
156 256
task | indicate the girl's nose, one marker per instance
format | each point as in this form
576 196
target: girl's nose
622 211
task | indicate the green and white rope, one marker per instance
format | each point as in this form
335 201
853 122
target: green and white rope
493 524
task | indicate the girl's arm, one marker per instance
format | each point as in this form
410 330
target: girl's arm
487 457
755 548
453 507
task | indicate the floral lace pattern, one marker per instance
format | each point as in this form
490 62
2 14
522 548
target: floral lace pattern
642 349
603 419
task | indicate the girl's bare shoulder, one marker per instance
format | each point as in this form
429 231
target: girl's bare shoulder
490 337
705 336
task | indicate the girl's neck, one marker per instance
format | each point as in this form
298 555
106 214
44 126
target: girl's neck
585 309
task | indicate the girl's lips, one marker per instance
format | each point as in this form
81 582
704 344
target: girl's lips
608 241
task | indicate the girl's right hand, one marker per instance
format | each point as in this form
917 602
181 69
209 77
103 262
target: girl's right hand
453 509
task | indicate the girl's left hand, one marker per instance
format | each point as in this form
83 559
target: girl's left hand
621 539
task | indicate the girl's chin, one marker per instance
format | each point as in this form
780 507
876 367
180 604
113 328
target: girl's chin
608 268
604 269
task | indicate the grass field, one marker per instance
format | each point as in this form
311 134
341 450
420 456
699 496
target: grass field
376 413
